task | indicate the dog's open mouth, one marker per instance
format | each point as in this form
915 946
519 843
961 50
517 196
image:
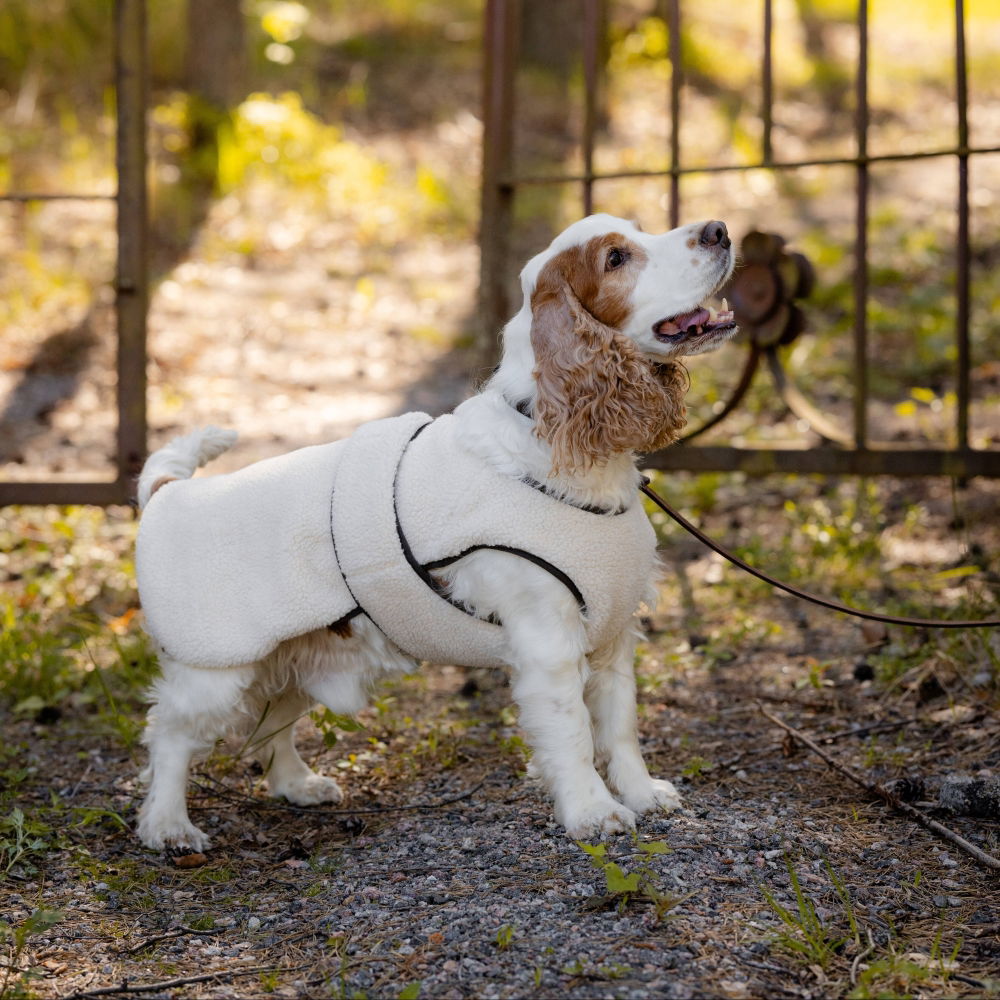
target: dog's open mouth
697 323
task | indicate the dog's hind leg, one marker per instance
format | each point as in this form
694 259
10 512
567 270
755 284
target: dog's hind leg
288 775
192 708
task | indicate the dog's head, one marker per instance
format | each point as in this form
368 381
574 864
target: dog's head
611 307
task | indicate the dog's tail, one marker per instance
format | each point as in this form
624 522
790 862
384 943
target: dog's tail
180 458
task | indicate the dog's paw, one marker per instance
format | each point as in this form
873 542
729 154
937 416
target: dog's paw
172 833
601 818
650 795
308 790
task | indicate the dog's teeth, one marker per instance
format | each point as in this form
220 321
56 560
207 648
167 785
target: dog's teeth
712 315
725 306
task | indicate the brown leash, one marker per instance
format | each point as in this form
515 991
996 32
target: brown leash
823 602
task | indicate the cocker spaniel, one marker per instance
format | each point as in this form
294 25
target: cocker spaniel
509 533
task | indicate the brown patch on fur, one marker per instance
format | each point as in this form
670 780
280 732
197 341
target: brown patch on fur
692 242
342 628
597 395
606 295
162 481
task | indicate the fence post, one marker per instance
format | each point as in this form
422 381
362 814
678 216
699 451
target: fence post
131 275
500 41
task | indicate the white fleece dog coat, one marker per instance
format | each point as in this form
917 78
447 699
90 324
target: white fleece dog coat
230 566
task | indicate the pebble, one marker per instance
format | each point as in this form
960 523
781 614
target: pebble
942 901
253 924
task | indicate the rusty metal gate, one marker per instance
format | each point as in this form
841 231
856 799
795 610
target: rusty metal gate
842 452
130 282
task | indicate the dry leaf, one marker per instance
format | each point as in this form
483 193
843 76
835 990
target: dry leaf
191 861
120 625
953 713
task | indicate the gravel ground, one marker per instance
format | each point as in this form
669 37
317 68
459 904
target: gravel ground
452 875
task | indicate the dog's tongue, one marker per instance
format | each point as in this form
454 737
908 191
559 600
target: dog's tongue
684 322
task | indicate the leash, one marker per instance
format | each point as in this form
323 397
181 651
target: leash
823 602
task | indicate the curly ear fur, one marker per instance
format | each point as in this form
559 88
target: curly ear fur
597 396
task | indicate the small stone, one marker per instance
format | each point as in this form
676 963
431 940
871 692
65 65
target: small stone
253 924
943 901
427 839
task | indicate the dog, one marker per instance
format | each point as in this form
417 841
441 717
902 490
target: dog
508 533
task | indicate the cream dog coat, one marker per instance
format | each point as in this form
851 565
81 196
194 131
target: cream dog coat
230 566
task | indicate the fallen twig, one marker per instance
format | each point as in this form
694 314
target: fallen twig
126 987
168 936
860 957
878 727
874 788
220 791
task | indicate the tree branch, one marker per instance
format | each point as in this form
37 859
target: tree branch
874 788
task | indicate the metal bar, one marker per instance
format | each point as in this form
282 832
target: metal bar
826 461
502 23
132 280
56 196
591 21
100 494
845 161
767 84
861 236
962 388
676 81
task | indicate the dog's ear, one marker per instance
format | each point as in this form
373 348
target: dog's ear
597 396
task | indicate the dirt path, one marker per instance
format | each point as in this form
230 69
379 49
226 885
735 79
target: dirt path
447 870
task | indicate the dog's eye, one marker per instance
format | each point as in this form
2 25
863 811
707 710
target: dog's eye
615 259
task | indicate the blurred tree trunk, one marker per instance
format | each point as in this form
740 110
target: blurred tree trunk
216 52
216 74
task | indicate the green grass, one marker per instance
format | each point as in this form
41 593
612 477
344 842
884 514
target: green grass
803 934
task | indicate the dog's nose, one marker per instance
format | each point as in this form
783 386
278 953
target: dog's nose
715 234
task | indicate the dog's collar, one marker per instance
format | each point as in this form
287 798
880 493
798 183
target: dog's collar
523 406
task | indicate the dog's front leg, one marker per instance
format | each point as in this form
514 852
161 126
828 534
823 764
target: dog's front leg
549 691
610 696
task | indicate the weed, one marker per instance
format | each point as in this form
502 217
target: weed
611 970
270 981
641 883
15 941
330 724
902 975
22 840
505 935
804 933
696 767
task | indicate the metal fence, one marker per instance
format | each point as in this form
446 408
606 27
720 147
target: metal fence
130 282
853 452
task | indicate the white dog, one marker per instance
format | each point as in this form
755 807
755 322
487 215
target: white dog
508 533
